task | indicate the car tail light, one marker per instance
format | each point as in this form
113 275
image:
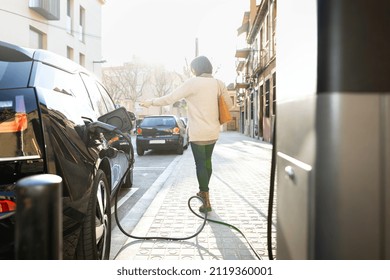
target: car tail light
7 206
176 130
139 131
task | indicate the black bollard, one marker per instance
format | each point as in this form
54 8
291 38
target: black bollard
38 230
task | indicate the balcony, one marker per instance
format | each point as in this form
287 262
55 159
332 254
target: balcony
243 53
49 9
238 86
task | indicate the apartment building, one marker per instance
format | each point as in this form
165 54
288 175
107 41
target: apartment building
71 28
256 69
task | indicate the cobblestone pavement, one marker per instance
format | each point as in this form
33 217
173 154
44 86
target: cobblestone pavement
239 191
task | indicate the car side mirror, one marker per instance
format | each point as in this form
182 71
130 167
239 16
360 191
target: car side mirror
119 118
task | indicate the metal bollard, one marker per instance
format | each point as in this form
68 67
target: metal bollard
38 230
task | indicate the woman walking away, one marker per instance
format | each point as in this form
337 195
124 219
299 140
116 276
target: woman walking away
201 94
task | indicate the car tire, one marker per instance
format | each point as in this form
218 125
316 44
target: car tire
180 148
95 237
187 144
140 151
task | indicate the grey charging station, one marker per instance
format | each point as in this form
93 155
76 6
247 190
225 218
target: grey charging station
333 129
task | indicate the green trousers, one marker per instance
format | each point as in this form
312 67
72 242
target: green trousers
202 155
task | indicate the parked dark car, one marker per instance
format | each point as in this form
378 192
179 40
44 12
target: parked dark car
161 133
56 118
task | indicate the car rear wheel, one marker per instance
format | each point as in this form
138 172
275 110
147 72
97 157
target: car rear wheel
180 148
95 239
140 151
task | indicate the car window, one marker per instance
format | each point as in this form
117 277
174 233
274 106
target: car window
14 74
66 92
106 97
60 81
96 97
159 121
81 93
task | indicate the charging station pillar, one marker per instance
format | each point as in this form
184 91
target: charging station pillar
38 231
333 143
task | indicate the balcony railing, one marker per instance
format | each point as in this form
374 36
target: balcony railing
49 9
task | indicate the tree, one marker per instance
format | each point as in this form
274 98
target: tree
126 82
162 81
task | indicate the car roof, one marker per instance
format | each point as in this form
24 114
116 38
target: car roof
160 116
11 52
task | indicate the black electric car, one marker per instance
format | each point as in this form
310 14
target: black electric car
57 118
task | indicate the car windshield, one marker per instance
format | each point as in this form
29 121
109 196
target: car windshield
158 121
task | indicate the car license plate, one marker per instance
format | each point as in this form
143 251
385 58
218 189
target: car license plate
157 142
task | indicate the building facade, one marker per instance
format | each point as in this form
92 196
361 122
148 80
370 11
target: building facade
256 70
71 28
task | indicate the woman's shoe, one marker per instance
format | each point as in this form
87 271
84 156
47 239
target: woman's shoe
206 207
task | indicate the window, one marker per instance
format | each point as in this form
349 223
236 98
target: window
69 53
37 39
261 39
158 121
69 16
274 93
267 99
82 59
246 108
261 101
252 105
95 95
266 29
66 92
233 102
81 24
106 97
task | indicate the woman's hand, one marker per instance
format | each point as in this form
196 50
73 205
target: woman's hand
147 103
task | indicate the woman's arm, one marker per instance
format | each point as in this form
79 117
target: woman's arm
176 95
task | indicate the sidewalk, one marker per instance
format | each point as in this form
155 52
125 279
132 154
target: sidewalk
239 191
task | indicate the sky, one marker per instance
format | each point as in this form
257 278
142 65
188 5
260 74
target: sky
164 32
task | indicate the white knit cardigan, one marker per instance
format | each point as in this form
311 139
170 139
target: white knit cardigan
201 94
